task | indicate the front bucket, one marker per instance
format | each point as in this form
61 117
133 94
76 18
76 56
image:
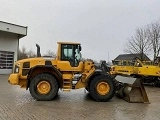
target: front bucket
133 91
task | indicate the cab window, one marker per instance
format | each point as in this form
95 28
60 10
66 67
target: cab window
70 53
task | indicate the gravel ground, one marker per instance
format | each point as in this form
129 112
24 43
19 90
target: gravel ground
17 104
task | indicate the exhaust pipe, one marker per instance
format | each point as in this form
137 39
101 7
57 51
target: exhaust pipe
38 50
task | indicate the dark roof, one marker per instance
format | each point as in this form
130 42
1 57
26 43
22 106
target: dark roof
131 56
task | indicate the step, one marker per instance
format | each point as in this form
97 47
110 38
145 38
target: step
67 85
66 90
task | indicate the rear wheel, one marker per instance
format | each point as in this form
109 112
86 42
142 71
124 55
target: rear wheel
43 87
102 88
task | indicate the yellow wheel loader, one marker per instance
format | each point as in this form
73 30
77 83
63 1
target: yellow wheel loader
44 76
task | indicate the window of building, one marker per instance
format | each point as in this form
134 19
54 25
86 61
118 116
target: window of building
6 60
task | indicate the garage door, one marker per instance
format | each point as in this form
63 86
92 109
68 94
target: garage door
6 62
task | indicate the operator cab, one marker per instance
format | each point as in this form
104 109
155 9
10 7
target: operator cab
71 53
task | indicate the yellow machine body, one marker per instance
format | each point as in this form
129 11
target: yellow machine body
45 75
136 68
19 77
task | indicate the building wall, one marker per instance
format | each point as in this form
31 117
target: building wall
12 28
8 42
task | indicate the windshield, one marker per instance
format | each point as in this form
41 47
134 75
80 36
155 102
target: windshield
71 53
68 51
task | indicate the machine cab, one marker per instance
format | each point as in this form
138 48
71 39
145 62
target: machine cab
69 55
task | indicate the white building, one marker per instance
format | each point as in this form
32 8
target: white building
9 45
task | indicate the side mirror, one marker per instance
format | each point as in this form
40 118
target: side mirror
80 48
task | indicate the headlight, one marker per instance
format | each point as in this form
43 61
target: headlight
16 69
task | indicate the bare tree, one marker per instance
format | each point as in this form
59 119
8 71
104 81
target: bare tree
50 53
31 54
138 43
22 54
153 31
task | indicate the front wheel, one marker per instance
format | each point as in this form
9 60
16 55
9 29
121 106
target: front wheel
102 88
43 87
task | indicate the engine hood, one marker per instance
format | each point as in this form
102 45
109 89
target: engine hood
36 61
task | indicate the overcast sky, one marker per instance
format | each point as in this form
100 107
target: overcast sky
101 26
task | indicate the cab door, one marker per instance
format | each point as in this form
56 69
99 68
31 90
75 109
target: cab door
68 60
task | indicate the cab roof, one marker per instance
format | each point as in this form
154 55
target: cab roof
68 43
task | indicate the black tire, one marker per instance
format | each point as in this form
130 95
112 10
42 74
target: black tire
33 88
94 92
119 89
87 89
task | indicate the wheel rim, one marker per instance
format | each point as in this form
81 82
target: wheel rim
43 87
103 88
